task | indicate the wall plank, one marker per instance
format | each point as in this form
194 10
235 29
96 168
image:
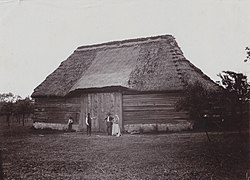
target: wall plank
56 110
152 108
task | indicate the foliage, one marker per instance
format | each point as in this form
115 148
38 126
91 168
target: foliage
237 92
24 108
227 102
248 54
11 104
196 100
9 97
236 86
7 101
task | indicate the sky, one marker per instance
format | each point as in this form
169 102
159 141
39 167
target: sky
37 35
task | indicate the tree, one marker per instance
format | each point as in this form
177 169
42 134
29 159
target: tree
237 91
248 54
24 108
7 101
201 104
196 100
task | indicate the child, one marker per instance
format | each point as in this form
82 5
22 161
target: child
70 122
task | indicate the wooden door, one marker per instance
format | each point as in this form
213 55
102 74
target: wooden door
98 105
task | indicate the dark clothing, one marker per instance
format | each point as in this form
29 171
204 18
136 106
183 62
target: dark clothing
88 123
109 128
89 129
109 123
70 127
89 120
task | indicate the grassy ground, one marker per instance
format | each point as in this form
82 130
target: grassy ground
31 154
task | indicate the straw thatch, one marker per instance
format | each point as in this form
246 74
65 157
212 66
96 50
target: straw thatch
145 64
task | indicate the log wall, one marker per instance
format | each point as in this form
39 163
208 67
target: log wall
56 110
136 111
153 109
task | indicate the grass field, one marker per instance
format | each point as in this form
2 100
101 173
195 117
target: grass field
32 154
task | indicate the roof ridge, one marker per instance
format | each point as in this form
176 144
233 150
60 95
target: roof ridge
125 41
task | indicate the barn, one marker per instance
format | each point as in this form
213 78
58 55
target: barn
140 80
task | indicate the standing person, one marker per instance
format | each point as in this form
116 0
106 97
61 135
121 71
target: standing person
70 123
88 123
115 128
109 122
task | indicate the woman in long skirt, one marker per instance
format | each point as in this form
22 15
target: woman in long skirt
115 128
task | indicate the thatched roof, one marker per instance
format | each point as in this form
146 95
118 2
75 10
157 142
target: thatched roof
145 64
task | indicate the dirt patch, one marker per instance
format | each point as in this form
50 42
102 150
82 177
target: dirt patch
29 154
